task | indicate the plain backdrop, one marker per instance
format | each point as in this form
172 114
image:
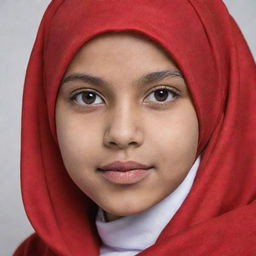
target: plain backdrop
19 20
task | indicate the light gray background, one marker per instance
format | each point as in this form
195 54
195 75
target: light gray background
19 21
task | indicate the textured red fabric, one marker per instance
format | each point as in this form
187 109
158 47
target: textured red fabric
218 216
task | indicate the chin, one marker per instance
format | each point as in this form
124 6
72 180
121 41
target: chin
115 213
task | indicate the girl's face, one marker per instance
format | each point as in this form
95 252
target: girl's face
124 99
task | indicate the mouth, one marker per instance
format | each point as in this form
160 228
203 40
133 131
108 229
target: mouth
131 176
128 172
124 166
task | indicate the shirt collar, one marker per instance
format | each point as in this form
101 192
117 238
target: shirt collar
135 233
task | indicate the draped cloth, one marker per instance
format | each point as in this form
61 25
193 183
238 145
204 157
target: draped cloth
218 215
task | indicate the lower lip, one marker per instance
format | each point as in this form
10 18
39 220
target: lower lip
127 177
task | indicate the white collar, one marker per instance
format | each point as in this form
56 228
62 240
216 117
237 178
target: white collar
130 235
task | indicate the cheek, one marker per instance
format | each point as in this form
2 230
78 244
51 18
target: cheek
176 141
77 142
78 149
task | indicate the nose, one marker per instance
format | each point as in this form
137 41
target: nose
123 128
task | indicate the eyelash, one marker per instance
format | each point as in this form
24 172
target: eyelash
174 92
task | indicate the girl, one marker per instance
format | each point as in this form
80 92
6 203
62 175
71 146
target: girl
138 131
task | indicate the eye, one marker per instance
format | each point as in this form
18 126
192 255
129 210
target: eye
163 94
86 98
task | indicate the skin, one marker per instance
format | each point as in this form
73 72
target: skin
125 120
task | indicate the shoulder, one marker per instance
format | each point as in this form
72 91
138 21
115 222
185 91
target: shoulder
33 245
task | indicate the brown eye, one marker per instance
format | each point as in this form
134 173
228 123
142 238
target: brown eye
163 94
86 98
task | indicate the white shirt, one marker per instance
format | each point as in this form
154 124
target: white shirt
130 235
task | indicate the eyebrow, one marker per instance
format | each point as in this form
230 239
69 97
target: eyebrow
145 79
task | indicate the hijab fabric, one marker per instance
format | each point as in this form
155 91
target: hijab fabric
218 215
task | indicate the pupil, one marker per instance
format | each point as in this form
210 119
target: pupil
88 97
161 94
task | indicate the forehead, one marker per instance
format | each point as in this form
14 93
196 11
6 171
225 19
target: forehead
122 58
122 48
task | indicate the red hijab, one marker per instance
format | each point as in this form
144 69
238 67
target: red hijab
218 216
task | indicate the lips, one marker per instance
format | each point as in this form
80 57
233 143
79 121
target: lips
125 173
124 166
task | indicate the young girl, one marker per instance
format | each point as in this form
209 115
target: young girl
138 131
